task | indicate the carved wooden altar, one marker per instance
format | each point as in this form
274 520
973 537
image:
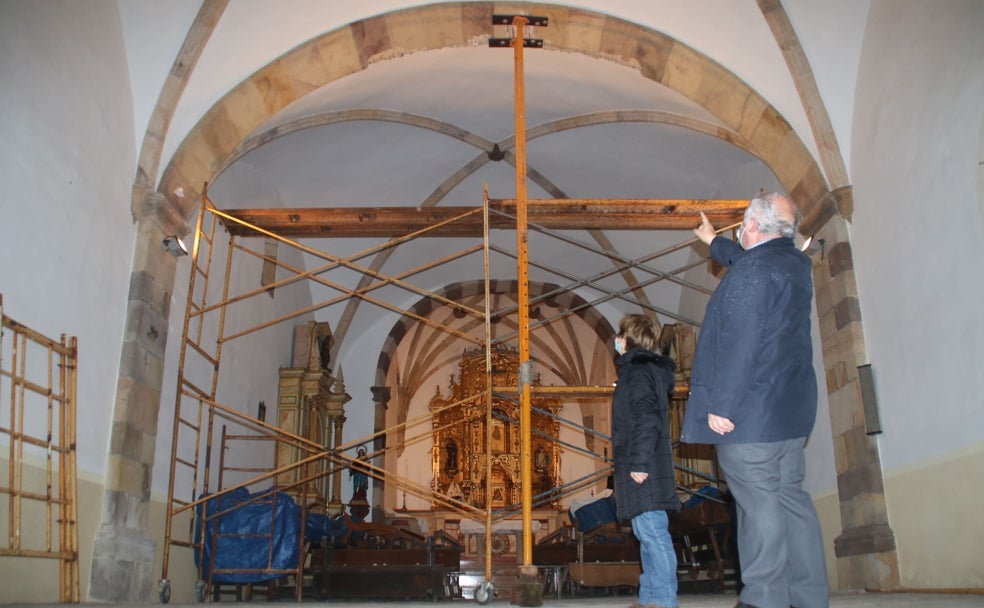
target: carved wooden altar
311 403
458 456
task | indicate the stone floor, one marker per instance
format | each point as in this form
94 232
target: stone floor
862 600
840 600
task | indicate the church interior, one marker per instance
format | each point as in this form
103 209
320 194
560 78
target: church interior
320 299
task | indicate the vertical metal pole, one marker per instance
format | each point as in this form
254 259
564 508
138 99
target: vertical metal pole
18 355
70 443
522 243
49 461
487 545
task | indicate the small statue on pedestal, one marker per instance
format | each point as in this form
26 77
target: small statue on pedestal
359 505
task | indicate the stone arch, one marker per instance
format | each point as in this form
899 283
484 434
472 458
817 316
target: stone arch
389 413
566 300
349 49
404 327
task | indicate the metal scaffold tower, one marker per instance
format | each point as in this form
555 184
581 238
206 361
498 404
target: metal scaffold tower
201 437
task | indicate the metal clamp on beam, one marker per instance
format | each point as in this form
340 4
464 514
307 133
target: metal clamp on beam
510 19
518 20
535 43
525 373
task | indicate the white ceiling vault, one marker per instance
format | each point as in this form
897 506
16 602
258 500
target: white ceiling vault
419 129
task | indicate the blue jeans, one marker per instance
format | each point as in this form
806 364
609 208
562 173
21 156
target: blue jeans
658 582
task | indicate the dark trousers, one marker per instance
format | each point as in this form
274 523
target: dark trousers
779 541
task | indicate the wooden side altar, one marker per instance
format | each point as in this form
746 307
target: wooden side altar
311 404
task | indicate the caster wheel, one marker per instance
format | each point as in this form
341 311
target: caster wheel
164 591
201 590
484 592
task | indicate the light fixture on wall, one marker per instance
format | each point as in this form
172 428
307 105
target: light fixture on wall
812 245
869 400
174 246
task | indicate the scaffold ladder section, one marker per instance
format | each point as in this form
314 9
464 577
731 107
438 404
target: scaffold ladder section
38 420
201 343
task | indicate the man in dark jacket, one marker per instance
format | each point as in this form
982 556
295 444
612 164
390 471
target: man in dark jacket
753 393
645 488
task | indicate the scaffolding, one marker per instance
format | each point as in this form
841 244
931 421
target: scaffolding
198 411
37 421
198 407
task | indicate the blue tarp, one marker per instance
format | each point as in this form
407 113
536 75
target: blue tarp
594 514
241 539
701 495
320 527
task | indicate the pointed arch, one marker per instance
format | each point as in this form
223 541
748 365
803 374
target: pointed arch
425 306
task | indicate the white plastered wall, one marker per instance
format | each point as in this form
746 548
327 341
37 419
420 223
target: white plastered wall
916 230
67 160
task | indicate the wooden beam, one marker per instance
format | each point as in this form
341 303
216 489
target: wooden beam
680 391
557 214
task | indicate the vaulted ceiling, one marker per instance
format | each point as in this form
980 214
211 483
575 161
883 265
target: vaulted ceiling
400 120
425 130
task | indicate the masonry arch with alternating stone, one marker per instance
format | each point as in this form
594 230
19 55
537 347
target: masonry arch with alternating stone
866 546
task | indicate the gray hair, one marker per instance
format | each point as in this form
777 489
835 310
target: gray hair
772 219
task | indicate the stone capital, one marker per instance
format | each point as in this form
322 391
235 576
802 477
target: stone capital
381 394
844 201
151 205
837 202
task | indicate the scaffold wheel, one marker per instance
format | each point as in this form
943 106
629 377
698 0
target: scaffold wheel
484 592
164 590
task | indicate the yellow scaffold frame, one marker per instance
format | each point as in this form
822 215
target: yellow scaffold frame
56 504
197 408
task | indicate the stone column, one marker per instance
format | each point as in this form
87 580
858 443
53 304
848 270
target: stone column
865 550
335 505
123 552
337 398
380 397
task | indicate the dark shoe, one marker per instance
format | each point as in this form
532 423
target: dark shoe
742 604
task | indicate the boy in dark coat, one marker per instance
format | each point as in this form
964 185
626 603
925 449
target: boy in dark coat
644 484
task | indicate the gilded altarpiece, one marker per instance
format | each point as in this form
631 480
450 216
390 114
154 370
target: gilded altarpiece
311 404
461 443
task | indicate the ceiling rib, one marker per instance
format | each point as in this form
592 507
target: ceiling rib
557 214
